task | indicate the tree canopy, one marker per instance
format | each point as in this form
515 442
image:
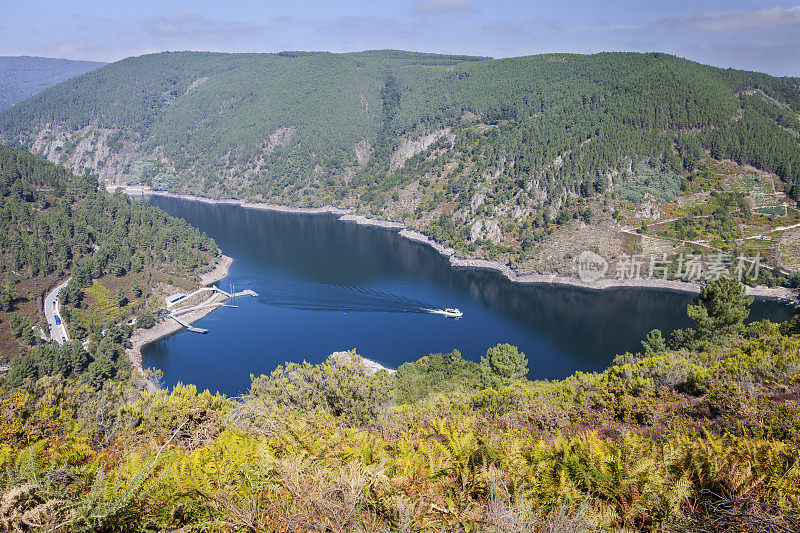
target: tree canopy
502 365
297 126
721 308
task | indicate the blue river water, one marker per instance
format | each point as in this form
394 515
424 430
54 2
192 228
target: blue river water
326 285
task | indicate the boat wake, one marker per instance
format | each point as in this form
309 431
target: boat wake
345 298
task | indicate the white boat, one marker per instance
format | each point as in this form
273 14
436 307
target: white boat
449 312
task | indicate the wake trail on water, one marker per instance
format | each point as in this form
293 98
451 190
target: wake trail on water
344 298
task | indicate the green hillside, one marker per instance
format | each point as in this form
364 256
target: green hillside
54 225
24 76
697 432
485 155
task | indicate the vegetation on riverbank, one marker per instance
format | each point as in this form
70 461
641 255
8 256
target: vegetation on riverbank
697 432
56 225
528 160
510 159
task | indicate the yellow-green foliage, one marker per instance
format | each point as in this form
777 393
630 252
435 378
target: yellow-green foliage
312 474
336 387
648 443
101 307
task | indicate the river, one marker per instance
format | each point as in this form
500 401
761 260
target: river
326 285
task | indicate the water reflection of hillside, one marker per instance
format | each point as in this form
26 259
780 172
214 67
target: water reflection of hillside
561 328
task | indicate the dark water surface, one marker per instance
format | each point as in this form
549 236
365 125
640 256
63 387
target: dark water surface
326 286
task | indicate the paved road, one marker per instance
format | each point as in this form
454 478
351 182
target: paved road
58 332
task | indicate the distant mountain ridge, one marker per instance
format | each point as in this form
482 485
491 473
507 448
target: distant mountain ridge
490 156
23 76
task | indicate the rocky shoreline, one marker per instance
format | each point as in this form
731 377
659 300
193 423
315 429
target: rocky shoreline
370 367
219 271
527 278
142 337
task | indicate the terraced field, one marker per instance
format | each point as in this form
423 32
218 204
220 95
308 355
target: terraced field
762 191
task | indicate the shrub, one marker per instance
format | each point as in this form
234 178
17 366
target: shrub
725 398
335 387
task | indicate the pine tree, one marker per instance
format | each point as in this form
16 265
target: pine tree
654 343
721 309
502 365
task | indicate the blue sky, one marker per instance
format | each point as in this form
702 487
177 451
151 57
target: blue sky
761 36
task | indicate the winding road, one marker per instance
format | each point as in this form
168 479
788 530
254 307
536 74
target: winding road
58 332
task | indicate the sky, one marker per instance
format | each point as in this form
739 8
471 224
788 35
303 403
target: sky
762 36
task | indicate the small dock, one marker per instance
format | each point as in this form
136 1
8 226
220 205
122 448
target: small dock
247 292
173 314
187 326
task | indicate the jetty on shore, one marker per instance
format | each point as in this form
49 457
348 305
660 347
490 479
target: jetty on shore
187 326
212 302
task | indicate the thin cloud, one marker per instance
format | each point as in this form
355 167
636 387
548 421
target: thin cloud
770 58
605 27
378 31
639 45
88 48
601 25
762 19
499 25
194 26
432 7
75 48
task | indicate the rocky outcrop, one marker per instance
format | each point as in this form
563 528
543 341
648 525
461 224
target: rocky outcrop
486 230
476 201
363 150
280 137
410 148
648 209
91 149
196 83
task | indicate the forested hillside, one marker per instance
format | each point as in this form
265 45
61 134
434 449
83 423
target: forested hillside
698 434
54 225
489 156
22 77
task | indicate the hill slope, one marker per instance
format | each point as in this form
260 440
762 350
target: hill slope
490 156
23 76
56 225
